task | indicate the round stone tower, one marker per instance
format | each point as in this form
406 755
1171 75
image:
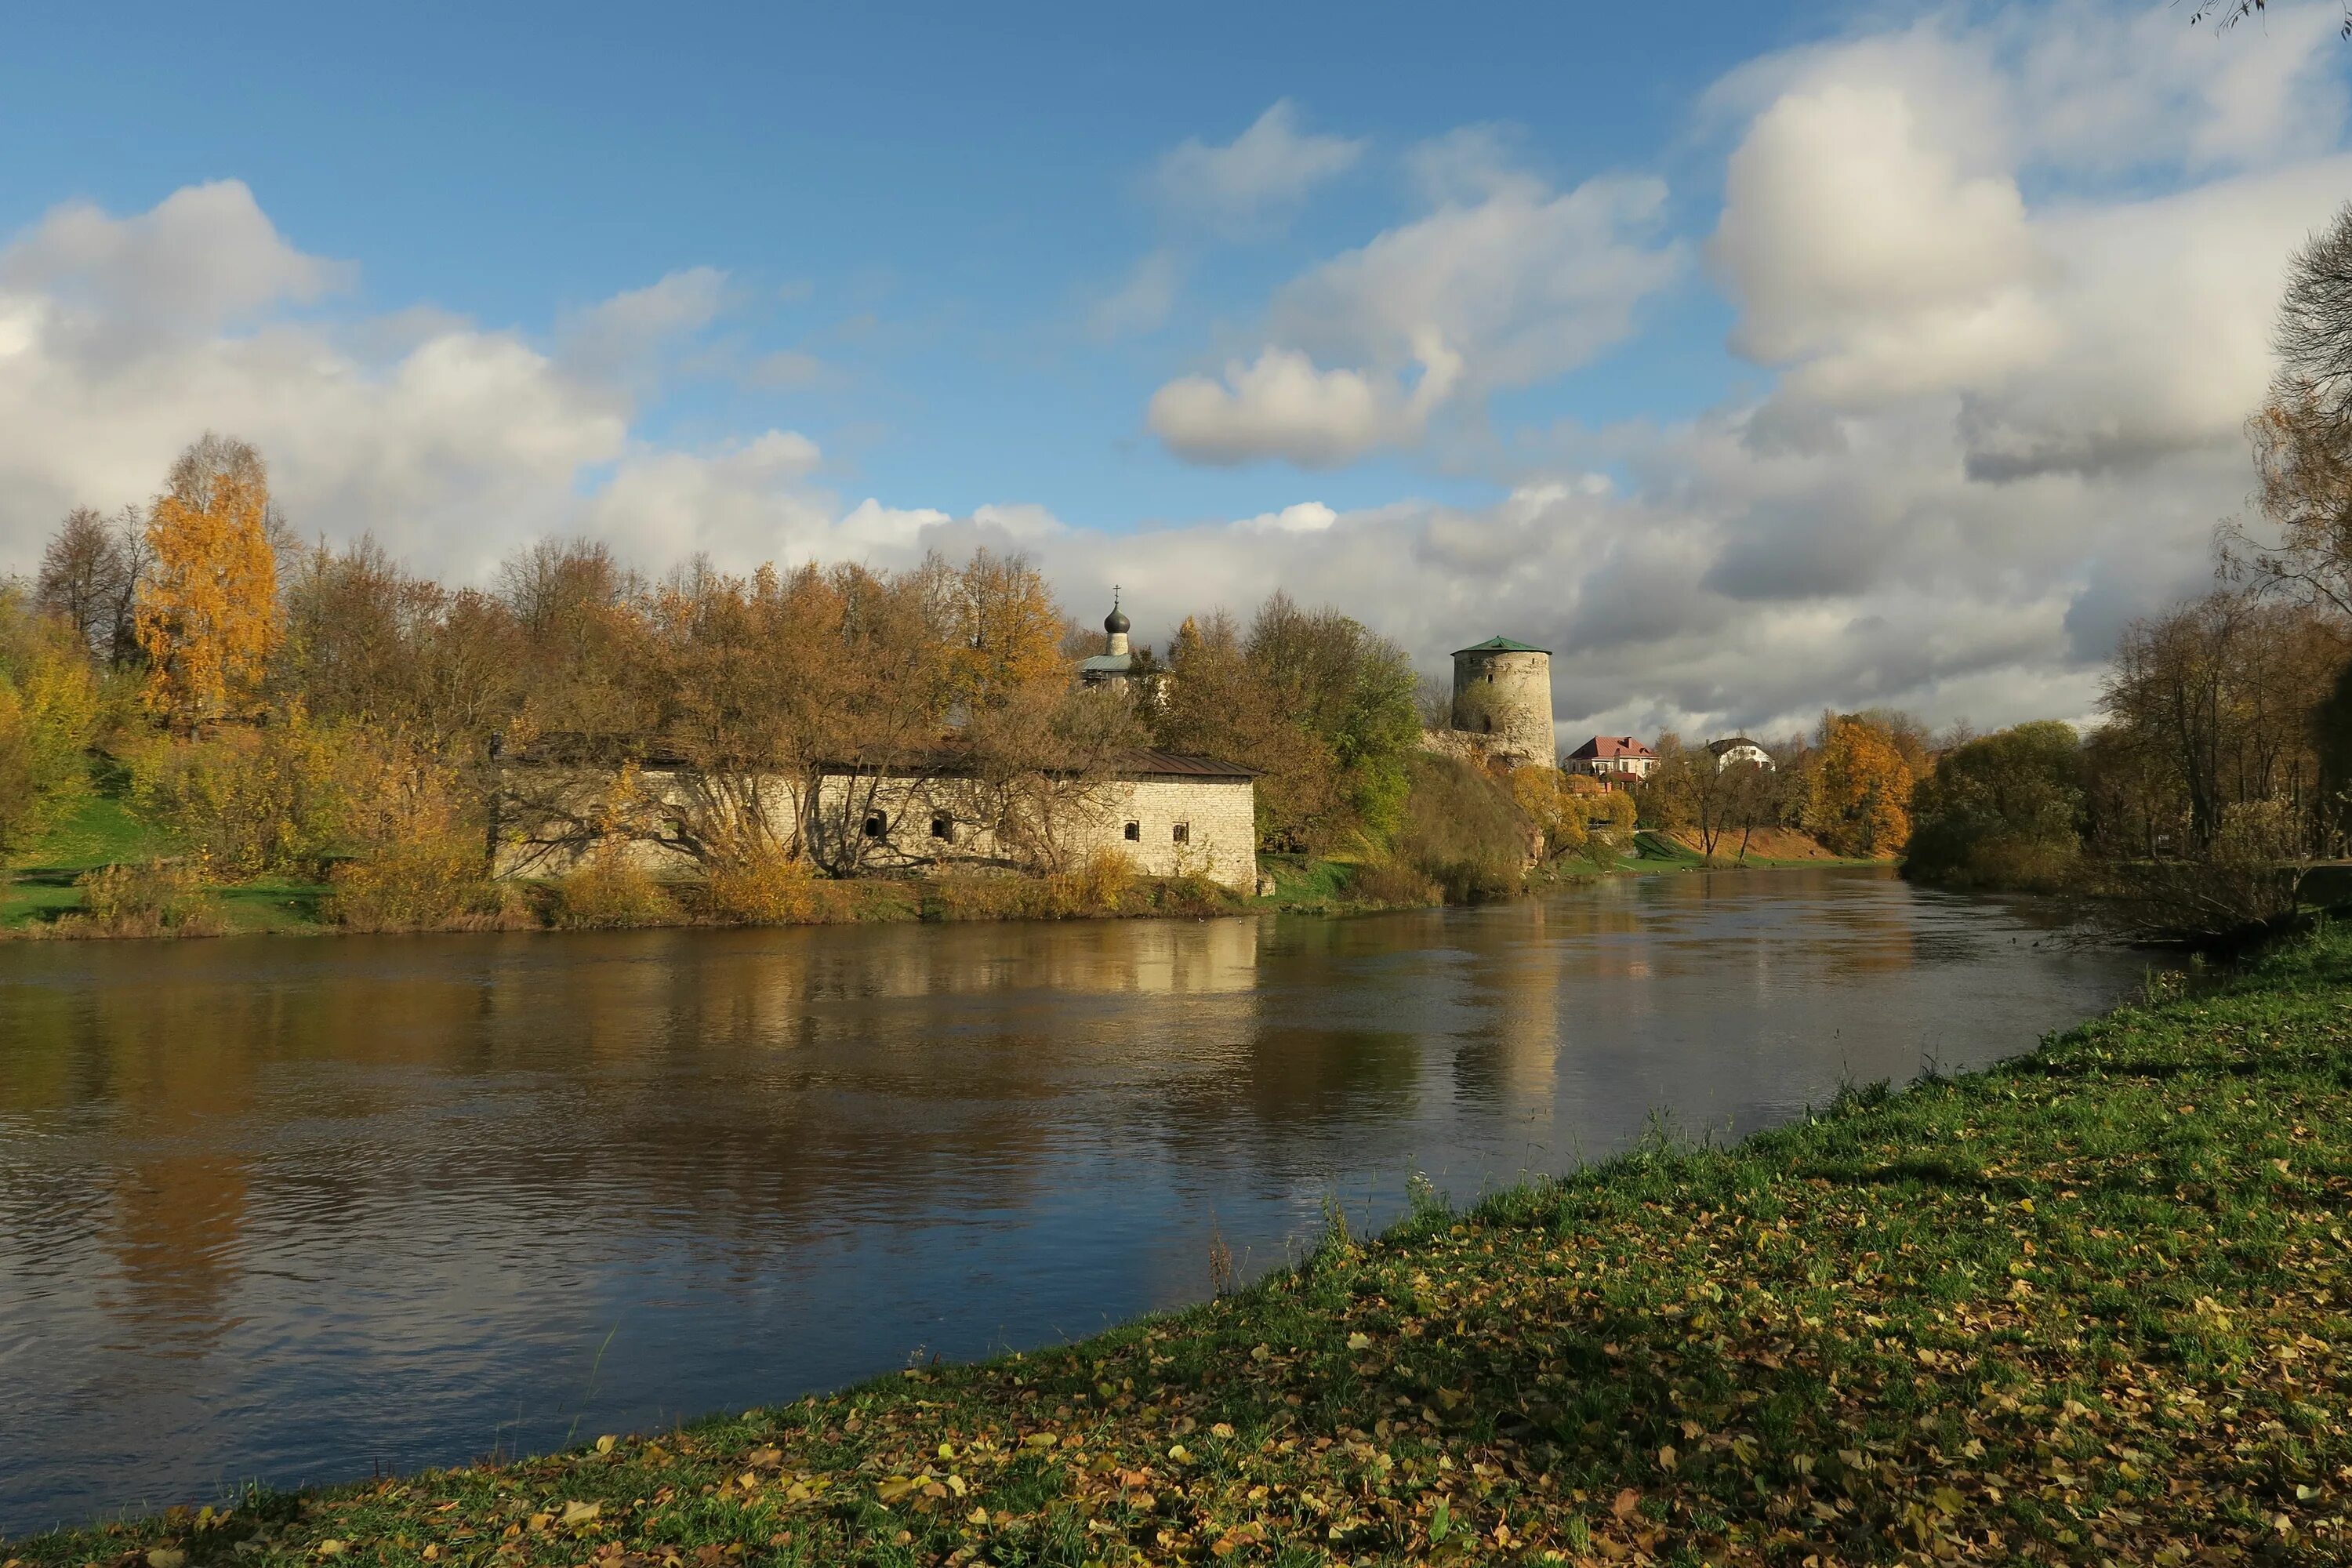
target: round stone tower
1502 689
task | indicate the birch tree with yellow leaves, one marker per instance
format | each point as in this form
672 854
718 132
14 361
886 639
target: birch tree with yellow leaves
207 612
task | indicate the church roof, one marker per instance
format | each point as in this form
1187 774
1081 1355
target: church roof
1107 664
1500 645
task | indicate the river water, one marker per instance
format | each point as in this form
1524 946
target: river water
296 1211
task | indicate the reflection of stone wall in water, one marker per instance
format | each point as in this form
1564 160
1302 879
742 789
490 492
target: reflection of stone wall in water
1192 824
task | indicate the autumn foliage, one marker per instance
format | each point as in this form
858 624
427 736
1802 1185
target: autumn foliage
1862 789
206 614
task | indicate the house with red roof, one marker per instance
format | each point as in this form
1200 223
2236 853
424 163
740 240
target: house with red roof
1612 758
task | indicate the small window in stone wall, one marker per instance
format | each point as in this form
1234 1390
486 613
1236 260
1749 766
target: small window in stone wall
943 827
876 826
1184 832
1135 833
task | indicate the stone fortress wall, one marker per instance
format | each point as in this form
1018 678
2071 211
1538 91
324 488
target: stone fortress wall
1165 825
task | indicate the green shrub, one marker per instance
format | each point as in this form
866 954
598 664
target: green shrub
1462 830
2003 811
152 898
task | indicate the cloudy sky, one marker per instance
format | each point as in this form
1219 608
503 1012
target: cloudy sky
1756 359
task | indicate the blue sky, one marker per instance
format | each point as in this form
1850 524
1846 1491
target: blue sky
1685 345
927 202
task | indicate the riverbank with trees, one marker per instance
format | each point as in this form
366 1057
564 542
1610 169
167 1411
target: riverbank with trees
2089 1305
2220 771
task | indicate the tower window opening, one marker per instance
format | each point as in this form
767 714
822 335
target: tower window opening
1183 833
878 826
1135 833
943 827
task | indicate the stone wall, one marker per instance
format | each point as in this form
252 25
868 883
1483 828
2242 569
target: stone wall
926 826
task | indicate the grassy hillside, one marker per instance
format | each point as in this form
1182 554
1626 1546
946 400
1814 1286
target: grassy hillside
2095 1305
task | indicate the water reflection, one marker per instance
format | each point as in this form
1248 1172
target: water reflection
293 1209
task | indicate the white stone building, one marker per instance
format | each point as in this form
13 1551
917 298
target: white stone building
1168 815
1738 751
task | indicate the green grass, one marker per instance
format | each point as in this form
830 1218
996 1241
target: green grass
2093 1305
1651 848
1301 881
38 884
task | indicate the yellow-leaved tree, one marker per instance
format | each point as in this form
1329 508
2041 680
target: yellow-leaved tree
1008 630
207 611
1863 794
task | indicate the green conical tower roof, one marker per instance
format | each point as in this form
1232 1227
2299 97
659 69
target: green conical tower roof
1501 645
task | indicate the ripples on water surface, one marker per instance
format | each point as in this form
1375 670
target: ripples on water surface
293 1210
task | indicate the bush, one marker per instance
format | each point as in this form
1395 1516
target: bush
1385 881
153 898
1104 884
610 889
432 886
2004 811
765 889
1463 831
287 796
49 711
256 799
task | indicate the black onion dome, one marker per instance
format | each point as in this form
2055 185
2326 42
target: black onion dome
1116 622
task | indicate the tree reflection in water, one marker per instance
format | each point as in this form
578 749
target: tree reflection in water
292 1209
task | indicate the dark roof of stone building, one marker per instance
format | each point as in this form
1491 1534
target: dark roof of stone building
1719 747
556 751
1500 645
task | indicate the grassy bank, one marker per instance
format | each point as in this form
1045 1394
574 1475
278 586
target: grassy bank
2091 1306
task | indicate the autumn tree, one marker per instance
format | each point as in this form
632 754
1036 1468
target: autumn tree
1221 703
2303 435
1863 788
89 576
2002 810
207 615
1355 693
2211 706
1008 629
48 715
1544 794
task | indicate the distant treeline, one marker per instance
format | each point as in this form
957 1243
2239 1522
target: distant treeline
284 709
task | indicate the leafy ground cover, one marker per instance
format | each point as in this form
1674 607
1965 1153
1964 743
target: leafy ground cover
2088 1307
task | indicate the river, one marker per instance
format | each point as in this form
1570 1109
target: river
302 1210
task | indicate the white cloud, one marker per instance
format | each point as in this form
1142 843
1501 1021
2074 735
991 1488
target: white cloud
1281 405
2006 352
1525 284
1861 249
1143 303
1304 517
620 337
1267 170
202 256
1877 240
1503 283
